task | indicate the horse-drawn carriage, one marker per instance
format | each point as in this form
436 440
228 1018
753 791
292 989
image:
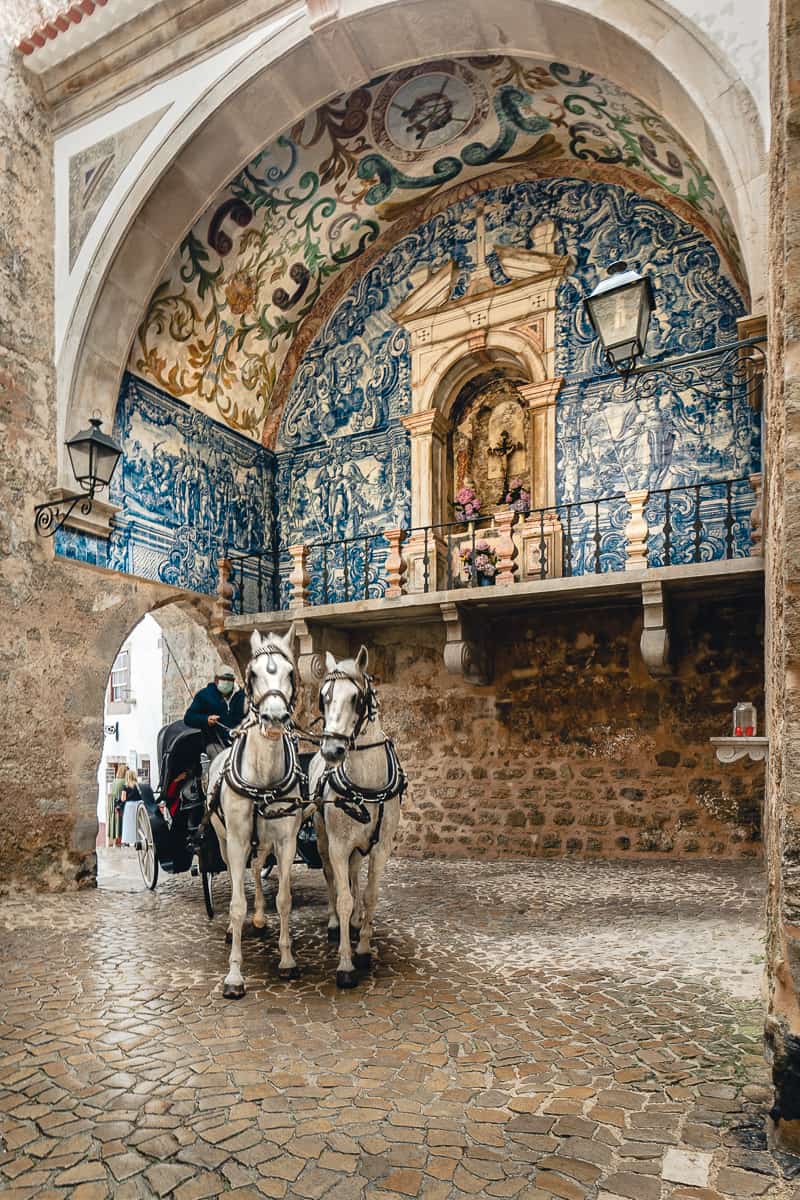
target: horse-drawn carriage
171 834
266 799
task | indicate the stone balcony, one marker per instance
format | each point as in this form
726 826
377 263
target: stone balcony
647 548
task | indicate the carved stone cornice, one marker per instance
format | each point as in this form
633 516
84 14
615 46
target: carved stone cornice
541 394
427 423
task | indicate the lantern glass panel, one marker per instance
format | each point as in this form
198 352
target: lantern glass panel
81 458
616 316
744 719
105 460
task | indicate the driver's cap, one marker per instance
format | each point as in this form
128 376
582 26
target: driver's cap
225 673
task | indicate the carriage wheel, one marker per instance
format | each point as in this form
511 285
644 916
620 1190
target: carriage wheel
145 847
208 892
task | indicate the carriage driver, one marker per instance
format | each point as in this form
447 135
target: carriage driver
215 708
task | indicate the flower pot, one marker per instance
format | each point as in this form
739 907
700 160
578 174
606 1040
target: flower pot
485 580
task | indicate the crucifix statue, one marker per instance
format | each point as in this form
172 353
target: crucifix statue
504 449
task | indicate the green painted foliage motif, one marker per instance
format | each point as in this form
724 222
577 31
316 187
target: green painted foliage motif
219 328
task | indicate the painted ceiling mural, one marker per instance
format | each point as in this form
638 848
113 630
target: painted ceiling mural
253 280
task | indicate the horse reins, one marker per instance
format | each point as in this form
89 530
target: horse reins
264 797
350 799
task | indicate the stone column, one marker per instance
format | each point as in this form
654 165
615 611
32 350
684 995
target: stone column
396 565
541 398
782 580
224 599
505 549
756 515
636 531
428 431
299 577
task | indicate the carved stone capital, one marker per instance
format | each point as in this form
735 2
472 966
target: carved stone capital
429 423
542 394
654 641
463 654
321 12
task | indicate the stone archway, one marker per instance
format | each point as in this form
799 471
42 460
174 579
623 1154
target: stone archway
665 62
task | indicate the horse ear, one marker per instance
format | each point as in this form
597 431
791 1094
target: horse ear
362 658
255 641
330 662
290 640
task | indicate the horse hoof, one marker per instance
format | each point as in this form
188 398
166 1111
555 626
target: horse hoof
346 979
333 933
363 962
355 933
288 972
232 991
259 930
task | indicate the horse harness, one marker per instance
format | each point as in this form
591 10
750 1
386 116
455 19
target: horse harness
351 799
293 777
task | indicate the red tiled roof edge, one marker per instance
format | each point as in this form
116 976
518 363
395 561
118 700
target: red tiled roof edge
58 24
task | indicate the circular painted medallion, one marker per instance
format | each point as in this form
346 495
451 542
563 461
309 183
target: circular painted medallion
421 109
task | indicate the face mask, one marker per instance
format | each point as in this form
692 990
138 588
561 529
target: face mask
225 686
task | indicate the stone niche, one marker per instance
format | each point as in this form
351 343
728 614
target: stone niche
484 393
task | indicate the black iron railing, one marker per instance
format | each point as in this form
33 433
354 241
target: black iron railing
692 523
347 569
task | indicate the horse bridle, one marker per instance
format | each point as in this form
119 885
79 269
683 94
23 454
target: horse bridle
254 704
366 704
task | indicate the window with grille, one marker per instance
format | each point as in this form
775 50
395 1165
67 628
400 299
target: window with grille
144 771
121 677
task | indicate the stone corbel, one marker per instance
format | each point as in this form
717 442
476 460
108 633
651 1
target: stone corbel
463 654
654 642
312 643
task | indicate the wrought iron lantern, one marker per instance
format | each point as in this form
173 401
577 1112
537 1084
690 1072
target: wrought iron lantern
93 456
619 309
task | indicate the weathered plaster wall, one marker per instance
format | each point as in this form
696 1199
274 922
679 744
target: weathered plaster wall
190 659
575 749
782 539
62 624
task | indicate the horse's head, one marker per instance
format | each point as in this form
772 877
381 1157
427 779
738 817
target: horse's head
270 678
346 702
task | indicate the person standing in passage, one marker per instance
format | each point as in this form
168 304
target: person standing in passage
215 709
114 821
130 799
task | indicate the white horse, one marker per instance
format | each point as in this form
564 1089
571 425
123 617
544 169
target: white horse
260 805
356 783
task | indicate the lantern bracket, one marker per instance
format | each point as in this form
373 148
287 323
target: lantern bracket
52 515
654 642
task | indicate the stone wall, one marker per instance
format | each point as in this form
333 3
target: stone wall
575 749
190 659
782 541
62 622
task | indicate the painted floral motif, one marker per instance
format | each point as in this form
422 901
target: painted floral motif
220 326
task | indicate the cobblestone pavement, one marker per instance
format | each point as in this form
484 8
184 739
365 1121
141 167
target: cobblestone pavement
530 1030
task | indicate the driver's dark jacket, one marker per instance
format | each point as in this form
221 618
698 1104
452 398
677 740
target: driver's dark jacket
209 702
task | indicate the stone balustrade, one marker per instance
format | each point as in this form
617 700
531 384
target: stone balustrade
561 541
